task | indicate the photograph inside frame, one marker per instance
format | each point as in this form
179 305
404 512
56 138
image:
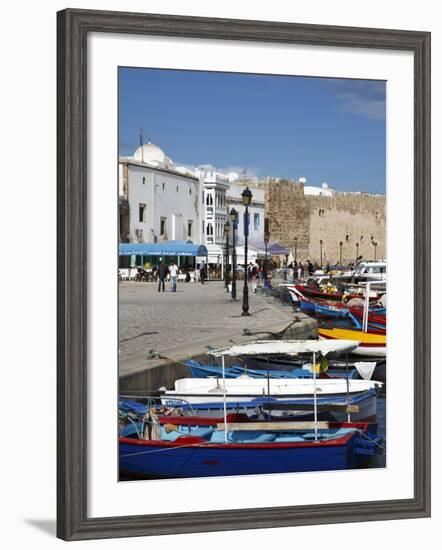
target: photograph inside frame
252 273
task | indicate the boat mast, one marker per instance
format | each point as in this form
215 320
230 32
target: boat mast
224 398
348 386
315 405
366 307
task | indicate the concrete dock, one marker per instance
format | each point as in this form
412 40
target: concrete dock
182 324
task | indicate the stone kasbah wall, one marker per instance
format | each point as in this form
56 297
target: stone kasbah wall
348 217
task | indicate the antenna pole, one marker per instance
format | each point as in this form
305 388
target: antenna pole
141 135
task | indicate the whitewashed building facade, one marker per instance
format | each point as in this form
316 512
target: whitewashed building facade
158 200
256 211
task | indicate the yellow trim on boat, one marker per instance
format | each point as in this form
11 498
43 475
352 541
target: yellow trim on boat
346 334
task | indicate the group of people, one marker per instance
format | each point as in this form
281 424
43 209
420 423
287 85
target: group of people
306 269
255 273
172 270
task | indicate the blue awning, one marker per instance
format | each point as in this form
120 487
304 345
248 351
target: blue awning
168 248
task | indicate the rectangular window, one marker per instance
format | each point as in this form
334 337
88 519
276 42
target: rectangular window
142 213
163 227
256 221
189 228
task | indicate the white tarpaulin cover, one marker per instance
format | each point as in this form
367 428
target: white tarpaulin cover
365 369
287 347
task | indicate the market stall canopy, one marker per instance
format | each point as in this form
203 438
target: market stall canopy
273 248
169 248
240 255
287 347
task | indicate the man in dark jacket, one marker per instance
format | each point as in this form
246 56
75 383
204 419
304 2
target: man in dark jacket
162 272
203 272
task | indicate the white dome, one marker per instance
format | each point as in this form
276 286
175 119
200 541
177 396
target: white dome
151 153
302 180
324 185
232 176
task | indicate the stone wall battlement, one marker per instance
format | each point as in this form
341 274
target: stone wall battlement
357 220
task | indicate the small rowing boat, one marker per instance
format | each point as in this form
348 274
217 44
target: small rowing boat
370 344
184 448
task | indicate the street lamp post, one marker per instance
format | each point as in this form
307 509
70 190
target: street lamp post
234 219
340 252
227 271
375 244
246 200
266 261
357 254
296 250
320 246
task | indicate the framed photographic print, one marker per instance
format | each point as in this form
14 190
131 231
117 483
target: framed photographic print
236 201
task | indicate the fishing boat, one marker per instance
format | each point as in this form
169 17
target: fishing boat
184 448
339 310
376 318
202 390
361 407
201 370
257 447
313 293
370 344
211 393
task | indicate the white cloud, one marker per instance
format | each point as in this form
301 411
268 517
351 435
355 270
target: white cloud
358 103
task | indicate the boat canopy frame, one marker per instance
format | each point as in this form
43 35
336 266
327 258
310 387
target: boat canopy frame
286 347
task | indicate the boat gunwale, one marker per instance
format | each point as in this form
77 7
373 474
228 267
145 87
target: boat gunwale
199 442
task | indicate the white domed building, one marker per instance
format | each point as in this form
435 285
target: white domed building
158 201
149 153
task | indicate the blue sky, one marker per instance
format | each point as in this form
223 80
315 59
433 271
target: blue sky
326 130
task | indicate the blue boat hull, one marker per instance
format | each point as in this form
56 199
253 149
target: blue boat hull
366 401
156 460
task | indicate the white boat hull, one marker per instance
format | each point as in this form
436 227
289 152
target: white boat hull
203 390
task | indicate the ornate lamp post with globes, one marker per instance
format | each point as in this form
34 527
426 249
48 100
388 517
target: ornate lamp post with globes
266 261
246 200
227 270
234 219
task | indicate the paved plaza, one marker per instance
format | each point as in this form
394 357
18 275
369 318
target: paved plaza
182 324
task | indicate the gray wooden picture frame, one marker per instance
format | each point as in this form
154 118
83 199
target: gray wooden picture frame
73 28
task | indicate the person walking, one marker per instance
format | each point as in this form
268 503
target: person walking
173 270
202 272
162 272
254 275
299 270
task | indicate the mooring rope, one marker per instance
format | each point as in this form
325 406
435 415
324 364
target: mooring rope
165 449
372 440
